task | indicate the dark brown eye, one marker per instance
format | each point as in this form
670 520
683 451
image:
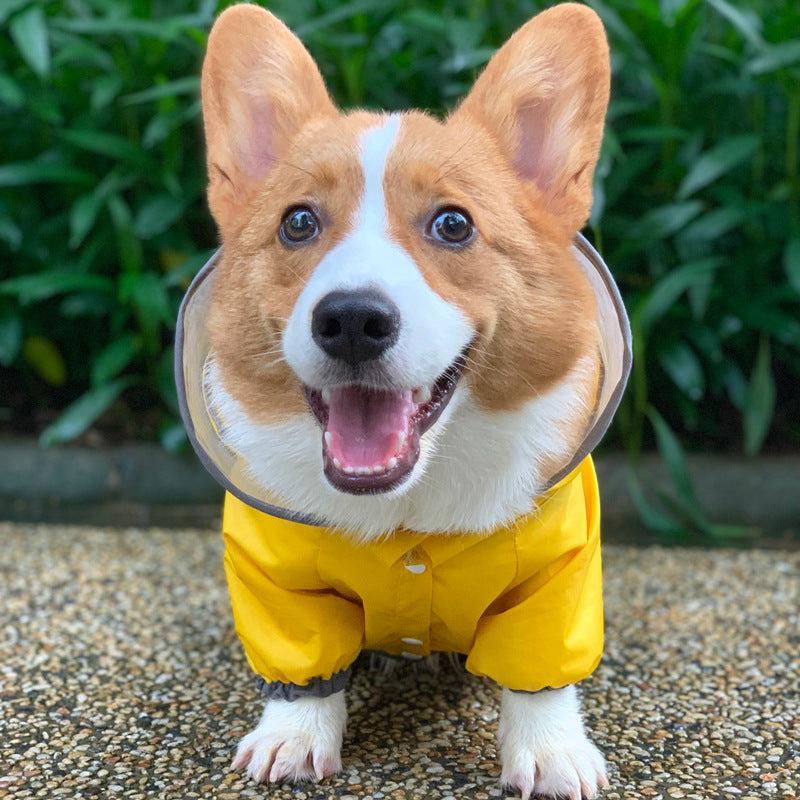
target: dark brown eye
299 224
452 226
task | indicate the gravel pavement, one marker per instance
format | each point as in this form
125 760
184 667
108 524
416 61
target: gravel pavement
121 677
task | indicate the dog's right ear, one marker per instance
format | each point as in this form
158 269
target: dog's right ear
259 87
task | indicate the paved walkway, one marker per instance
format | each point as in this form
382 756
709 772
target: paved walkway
121 677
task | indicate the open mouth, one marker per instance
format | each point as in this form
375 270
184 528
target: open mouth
370 440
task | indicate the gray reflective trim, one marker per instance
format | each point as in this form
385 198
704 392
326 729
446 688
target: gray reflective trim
609 394
537 691
203 454
316 687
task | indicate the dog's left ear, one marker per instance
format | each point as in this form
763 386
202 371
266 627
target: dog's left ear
543 96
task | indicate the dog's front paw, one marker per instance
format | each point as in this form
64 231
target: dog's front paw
543 747
295 741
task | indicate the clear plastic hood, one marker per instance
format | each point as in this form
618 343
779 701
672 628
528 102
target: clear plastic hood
230 468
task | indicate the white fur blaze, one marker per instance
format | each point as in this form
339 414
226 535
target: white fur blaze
295 741
543 747
432 331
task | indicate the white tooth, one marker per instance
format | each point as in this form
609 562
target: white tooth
401 440
364 470
391 463
328 438
326 395
378 468
350 470
337 463
421 395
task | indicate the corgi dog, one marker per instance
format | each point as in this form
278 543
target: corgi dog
397 364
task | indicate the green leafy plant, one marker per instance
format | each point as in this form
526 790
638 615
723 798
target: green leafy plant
700 223
101 212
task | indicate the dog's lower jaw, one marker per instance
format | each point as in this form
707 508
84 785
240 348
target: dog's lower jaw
295 741
543 747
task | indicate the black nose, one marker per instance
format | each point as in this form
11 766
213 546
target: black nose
355 326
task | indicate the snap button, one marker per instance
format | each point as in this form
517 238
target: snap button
417 569
409 640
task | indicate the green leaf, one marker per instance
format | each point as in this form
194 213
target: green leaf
24 173
10 233
188 85
10 334
682 365
105 89
652 517
32 288
709 227
769 319
717 161
735 384
166 30
104 144
671 451
791 262
146 292
28 29
671 9
760 406
156 214
162 125
339 13
83 412
747 22
775 57
113 358
664 294
129 247
10 92
654 133
663 221
82 217
46 359
8 7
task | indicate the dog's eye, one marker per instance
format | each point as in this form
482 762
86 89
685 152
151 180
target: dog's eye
452 226
299 224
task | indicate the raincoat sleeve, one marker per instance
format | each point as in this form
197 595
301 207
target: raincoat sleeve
546 631
294 627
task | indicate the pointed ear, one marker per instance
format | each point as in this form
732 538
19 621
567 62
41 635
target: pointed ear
259 87
543 96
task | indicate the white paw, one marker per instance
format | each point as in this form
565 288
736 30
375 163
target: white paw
544 749
295 741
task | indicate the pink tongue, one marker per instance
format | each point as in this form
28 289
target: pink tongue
364 425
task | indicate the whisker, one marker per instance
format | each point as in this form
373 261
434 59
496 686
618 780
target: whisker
303 169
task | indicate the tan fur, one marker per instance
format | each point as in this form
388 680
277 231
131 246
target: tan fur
527 299
518 155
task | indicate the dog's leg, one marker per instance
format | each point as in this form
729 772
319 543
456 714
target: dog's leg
543 747
295 741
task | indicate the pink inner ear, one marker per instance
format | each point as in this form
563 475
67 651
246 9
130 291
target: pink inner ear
256 147
543 143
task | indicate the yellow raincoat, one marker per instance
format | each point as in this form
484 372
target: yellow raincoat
524 604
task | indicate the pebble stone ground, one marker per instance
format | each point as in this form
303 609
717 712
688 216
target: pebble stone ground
121 677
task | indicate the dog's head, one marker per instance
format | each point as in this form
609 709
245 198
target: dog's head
400 330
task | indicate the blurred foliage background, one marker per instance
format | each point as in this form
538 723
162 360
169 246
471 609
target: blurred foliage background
103 220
